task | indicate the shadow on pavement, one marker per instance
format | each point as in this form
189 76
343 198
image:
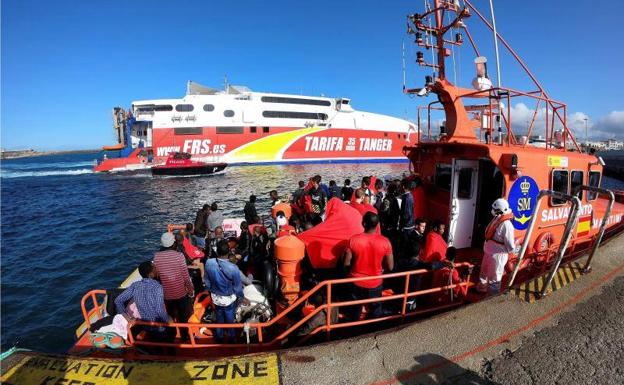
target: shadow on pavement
435 369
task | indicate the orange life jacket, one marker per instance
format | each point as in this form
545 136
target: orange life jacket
491 228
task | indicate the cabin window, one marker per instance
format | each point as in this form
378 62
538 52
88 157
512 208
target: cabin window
230 130
265 130
253 129
443 176
228 113
208 107
188 130
279 99
184 107
559 184
576 179
294 115
464 183
594 181
152 108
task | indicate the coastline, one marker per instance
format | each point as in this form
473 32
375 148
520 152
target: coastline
14 154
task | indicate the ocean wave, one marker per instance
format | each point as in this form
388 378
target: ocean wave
23 174
44 166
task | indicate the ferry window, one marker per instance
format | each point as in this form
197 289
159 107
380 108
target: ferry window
230 130
294 115
559 184
208 107
228 113
265 130
594 181
443 176
279 99
184 107
464 184
188 130
576 179
253 130
151 108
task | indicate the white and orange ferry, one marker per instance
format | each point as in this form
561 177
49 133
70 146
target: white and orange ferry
239 126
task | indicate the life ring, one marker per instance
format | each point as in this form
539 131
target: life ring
543 248
543 242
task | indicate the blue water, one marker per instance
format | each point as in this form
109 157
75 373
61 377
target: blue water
66 230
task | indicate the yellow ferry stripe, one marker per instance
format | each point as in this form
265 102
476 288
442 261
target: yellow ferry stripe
267 148
260 369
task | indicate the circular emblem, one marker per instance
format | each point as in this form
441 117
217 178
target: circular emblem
522 200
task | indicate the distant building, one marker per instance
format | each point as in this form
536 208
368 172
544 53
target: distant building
604 145
613 144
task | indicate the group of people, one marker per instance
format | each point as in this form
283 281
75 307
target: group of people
396 237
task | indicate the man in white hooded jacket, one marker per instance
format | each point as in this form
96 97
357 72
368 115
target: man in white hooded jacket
499 242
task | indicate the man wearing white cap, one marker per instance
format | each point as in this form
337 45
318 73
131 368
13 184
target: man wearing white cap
175 279
499 242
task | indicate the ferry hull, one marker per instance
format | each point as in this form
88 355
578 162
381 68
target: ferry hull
271 145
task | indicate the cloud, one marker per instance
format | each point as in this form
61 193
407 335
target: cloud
604 127
609 126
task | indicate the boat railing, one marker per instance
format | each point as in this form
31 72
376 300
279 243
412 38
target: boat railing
276 331
97 311
555 115
603 224
565 239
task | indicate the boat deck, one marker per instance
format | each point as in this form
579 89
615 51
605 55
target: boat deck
441 347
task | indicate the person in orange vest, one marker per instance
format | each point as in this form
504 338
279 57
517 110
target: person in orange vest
499 242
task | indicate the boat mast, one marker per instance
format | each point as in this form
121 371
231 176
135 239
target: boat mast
498 73
440 38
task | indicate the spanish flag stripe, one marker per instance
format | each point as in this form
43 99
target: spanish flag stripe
584 225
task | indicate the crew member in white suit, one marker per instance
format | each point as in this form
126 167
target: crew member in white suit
499 242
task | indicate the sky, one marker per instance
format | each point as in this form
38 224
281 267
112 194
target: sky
65 64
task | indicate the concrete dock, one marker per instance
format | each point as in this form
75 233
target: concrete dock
570 336
505 339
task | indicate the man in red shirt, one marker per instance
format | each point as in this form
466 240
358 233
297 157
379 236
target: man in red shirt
359 203
175 279
435 246
365 257
447 276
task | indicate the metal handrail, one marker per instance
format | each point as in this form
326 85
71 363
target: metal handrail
572 217
193 328
567 234
605 218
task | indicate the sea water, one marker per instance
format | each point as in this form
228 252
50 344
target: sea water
66 230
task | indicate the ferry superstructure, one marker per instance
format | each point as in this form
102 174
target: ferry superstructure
239 126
